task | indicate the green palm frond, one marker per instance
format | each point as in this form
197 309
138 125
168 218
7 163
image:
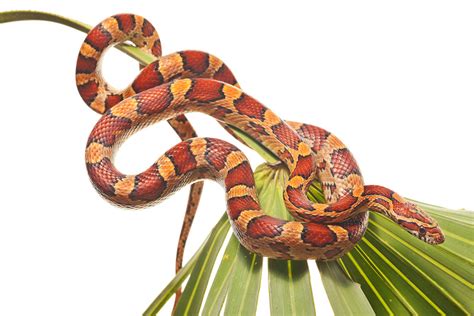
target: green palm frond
388 272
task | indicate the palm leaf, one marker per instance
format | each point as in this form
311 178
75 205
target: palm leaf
418 277
192 298
345 296
289 281
245 284
219 288
397 273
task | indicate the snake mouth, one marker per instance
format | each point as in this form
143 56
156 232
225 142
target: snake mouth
432 236
434 241
439 239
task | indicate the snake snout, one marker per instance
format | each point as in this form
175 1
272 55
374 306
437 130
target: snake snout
433 236
428 228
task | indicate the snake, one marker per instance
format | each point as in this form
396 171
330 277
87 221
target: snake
192 81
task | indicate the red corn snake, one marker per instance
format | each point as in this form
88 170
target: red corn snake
195 81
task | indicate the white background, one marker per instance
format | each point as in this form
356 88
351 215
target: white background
394 80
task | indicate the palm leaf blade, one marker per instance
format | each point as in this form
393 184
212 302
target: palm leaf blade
172 286
245 284
345 296
289 282
422 277
219 289
216 233
193 294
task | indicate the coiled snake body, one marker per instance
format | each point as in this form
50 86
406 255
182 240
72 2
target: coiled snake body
193 81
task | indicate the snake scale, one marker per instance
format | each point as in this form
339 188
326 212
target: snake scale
192 81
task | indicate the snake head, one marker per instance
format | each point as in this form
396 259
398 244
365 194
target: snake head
418 223
408 215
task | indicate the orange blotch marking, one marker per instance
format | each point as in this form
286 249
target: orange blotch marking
182 158
343 204
88 91
85 64
203 90
195 61
242 174
318 235
265 226
126 22
149 185
304 167
98 38
148 78
286 135
224 74
112 100
104 175
147 28
298 198
248 106
237 205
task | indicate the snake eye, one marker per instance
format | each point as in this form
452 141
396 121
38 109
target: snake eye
422 231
